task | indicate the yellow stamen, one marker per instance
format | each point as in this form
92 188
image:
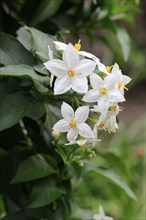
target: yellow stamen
108 68
113 107
70 72
103 90
120 84
78 45
101 125
126 88
72 124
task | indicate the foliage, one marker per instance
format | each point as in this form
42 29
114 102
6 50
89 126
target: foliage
40 178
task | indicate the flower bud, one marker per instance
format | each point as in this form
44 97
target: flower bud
55 134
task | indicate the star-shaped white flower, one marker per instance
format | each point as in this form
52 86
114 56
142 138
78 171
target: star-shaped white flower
101 215
71 72
104 92
74 122
122 80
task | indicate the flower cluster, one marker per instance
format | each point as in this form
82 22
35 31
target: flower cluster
101 88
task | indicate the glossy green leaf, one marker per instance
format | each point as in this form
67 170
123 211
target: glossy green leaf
28 72
41 41
111 175
25 38
13 107
46 10
44 193
124 41
13 52
34 167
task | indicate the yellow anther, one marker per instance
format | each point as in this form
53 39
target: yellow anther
78 45
101 125
72 124
70 72
103 90
113 107
108 68
120 84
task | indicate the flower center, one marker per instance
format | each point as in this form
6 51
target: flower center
70 72
101 125
113 107
120 84
72 124
103 90
108 68
78 45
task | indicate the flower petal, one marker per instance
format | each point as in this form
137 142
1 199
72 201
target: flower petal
62 85
57 67
126 79
115 95
84 130
103 106
61 125
96 81
80 84
89 55
81 114
72 134
85 67
91 96
67 111
110 81
71 56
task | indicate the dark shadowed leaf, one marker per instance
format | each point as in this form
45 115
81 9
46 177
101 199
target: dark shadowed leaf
28 72
46 9
13 107
44 193
13 52
32 168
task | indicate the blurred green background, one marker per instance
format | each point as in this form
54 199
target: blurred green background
115 31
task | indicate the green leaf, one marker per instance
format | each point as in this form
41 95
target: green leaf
25 38
28 72
44 193
41 41
46 10
15 106
115 162
12 52
124 41
34 167
113 177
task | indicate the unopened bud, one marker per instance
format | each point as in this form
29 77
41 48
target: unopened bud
55 134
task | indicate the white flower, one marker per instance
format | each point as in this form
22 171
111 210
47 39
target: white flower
113 109
107 122
103 92
101 215
71 73
62 46
74 122
122 80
